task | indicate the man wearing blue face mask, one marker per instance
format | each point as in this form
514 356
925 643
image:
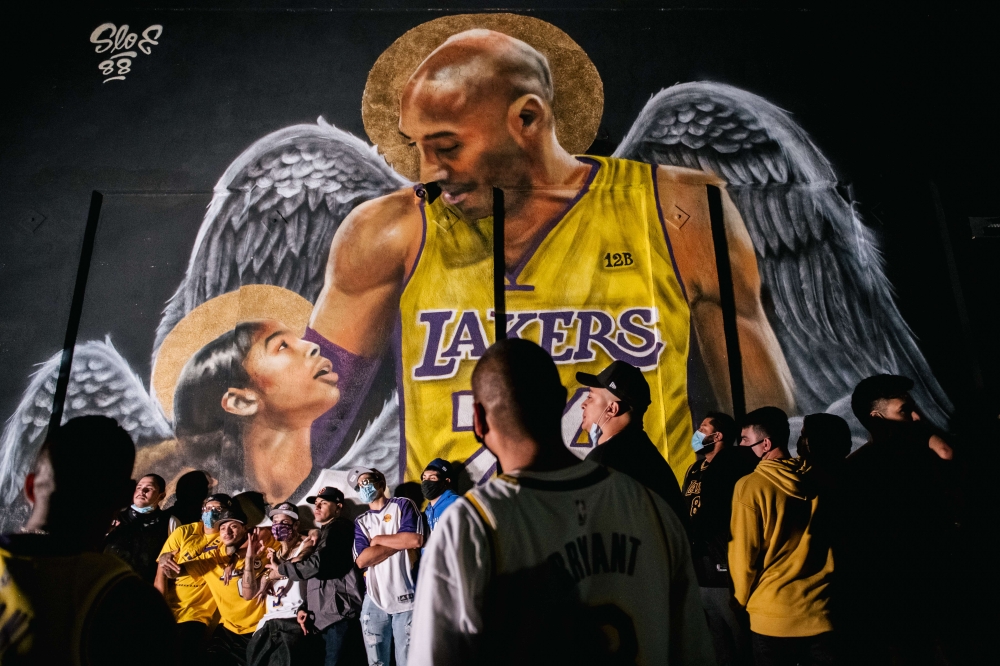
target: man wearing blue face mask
612 416
708 498
187 596
387 539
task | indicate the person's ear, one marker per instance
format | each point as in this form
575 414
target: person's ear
876 414
767 445
479 424
614 408
240 402
29 488
526 117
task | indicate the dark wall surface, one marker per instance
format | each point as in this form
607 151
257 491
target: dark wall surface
897 101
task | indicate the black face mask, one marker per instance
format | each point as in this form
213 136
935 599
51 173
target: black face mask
433 489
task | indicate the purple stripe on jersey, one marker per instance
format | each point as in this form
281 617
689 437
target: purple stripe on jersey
547 229
360 539
663 225
397 343
409 516
355 375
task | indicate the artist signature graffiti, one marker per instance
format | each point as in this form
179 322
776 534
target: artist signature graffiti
118 42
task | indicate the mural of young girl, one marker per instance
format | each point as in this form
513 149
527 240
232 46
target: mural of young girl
244 405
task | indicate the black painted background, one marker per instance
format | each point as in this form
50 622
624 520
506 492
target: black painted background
895 100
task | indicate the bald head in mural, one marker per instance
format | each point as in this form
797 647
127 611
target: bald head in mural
479 109
590 274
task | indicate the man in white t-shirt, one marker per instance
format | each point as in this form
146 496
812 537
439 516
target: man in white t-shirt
556 561
387 539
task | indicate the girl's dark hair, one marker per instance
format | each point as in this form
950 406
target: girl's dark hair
211 437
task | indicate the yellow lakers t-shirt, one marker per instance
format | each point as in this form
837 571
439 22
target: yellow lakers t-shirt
189 598
237 614
597 285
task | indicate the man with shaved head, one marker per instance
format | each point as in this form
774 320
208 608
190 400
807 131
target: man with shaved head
605 259
556 561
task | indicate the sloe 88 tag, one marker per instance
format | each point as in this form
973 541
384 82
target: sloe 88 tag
117 42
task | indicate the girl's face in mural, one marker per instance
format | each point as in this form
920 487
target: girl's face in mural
292 384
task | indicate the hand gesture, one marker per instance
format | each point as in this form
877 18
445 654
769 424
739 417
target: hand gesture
170 567
303 619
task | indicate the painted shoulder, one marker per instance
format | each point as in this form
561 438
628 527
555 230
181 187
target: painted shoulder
682 176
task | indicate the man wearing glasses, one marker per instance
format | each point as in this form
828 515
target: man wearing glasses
387 539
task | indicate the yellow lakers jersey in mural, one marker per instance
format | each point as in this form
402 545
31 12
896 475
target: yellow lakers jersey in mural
597 285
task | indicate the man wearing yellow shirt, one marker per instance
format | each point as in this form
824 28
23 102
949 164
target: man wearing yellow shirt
232 575
187 596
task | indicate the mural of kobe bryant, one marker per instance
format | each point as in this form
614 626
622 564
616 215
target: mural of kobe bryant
607 258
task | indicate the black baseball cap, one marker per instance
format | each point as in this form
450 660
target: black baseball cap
227 515
623 380
222 498
875 388
440 465
329 493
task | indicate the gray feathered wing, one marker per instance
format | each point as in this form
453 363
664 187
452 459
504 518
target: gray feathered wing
101 382
274 213
823 279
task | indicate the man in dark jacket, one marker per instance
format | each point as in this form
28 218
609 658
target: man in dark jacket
334 586
708 498
140 530
612 416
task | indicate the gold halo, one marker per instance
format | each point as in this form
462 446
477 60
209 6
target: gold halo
578 102
213 318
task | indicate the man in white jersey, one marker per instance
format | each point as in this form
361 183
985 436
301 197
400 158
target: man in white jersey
557 560
387 539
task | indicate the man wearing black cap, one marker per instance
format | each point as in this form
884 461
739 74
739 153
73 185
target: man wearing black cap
612 417
899 528
334 588
435 485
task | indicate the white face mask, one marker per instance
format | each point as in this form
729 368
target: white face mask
144 509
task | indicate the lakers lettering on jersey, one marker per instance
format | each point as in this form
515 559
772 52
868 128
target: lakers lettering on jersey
598 285
503 552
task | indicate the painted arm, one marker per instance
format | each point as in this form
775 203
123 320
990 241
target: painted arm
766 377
371 254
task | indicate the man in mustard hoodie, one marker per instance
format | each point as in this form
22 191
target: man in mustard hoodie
780 554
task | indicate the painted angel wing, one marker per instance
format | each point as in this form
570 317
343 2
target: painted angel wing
274 214
101 382
825 289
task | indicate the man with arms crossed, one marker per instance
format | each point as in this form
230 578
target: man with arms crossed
479 111
386 539
557 560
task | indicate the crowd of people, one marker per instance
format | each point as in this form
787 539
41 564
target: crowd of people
757 557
